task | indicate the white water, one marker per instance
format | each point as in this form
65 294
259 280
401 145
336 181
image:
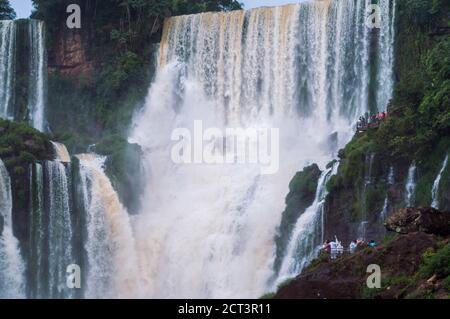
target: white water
62 154
7 69
386 52
384 210
391 176
38 70
205 230
60 241
308 234
36 255
437 181
410 185
362 228
112 267
12 267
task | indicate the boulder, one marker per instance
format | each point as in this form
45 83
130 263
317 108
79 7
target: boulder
428 220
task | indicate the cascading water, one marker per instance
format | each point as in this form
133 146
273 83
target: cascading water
7 69
61 152
109 244
60 233
386 52
410 187
208 230
37 237
12 284
391 176
307 236
437 181
362 228
384 210
38 77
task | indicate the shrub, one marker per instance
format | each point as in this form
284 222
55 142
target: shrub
446 283
436 262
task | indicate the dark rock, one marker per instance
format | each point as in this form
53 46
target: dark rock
345 277
428 220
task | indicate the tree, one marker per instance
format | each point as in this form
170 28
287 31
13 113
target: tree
6 11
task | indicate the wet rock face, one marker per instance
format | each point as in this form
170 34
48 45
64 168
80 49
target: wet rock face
69 56
428 220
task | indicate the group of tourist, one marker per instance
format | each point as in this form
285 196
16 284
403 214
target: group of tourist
373 120
335 249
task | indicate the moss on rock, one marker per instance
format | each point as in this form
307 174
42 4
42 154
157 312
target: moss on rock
302 189
21 145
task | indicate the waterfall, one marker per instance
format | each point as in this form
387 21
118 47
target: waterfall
302 68
391 176
307 236
37 236
386 52
60 232
7 68
437 181
112 267
384 211
12 267
38 74
61 152
51 233
362 228
410 185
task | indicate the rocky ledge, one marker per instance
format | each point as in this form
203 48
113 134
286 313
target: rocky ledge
427 220
414 262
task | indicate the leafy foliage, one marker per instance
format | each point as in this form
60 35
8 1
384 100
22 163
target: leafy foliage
418 125
21 145
6 11
437 262
118 37
124 167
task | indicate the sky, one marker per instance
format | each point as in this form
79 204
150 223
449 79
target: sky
23 7
249 4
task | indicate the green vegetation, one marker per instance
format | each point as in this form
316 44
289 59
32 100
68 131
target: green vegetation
446 283
124 168
418 124
96 103
401 282
302 190
269 295
420 113
437 262
434 262
21 145
6 11
117 38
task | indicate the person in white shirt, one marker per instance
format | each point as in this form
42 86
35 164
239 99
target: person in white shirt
352 246
334 250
